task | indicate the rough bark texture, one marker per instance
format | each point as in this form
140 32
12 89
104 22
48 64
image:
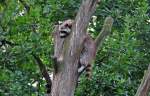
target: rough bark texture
144 87
65 79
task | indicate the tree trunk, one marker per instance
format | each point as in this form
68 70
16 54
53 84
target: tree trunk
144 87
65 79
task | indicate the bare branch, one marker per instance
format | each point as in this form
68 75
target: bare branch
82 19
44 72
73 44
104 32
101 37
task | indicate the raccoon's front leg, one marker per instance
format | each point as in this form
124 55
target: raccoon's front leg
81 68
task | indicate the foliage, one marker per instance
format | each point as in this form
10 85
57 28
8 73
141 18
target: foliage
119 65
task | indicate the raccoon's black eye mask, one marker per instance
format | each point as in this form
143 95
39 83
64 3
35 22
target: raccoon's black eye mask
65 32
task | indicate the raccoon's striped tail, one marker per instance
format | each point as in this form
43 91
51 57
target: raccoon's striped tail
88 71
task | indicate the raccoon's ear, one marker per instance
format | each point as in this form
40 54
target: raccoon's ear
58 23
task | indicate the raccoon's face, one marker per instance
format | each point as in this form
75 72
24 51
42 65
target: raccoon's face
65 28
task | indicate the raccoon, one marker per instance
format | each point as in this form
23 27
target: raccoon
88 52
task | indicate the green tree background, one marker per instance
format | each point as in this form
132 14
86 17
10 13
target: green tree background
28 24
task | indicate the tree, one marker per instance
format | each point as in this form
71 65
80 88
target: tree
65 80
25 33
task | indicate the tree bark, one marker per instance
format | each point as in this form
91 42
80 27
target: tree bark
65 80
144 87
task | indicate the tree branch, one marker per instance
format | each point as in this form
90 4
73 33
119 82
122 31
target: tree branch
104 32
82 19
101 37
44 72
73 44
